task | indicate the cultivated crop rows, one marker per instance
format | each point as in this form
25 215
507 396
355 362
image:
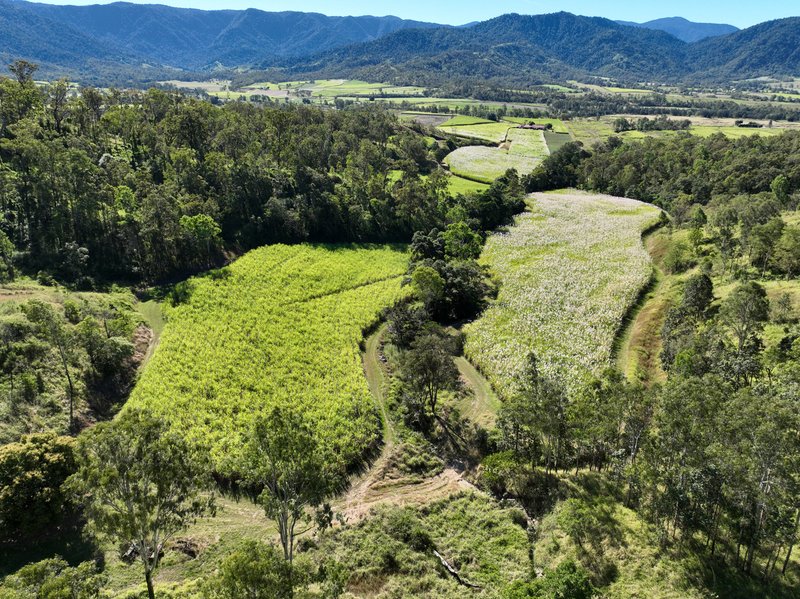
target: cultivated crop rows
281 326
570 270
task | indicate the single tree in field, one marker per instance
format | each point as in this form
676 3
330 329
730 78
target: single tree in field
745 311
283 457
23 71
428 369
141 484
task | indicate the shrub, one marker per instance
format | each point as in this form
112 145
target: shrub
31 475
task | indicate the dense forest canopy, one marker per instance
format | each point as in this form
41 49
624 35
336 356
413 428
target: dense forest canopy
144 185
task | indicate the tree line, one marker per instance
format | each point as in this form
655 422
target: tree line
144 186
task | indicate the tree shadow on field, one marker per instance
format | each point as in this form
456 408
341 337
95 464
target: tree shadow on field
68 543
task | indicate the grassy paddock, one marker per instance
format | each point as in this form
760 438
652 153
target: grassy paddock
570 270
486 164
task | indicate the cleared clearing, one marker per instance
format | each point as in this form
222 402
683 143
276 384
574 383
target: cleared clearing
570 268
488 131
487 164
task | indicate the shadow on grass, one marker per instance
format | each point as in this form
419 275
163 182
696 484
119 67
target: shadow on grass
724 580
70 544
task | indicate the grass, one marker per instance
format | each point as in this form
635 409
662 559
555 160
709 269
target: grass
334 88
489 131
528 143
461 121
390 554
590 131
459 185
482 404
640 345
280 326
455 185
569 269
484 164
215 538
733 132
556 141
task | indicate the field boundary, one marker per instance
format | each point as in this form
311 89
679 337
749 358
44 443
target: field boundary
620 350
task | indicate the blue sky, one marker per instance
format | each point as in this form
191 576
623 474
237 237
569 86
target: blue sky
741 13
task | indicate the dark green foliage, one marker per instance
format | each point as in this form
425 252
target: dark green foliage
53 361
152 184
461 242
745 311
31 475
666 169
698 293
567 581
405 322
427 370
255 571
787 252
560 169
53 579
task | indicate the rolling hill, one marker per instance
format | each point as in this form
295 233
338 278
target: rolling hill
684 29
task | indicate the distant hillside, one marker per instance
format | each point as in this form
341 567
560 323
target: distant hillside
522 48
527 49
685 30
771 48
124 42
54 45
185 38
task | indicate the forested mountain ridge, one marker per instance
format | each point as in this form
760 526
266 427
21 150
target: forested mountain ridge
54 45
771 48
519 48
684 29
178 37
145 42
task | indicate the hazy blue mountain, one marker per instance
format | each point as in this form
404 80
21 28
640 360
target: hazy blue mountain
685 30
53 44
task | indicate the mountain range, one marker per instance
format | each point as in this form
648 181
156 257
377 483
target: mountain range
518 49
123 42
684 30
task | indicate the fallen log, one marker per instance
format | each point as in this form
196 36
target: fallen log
454 573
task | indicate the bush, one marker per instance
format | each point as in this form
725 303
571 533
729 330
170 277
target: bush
256 571
31 476
676 260
53 579
567 581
